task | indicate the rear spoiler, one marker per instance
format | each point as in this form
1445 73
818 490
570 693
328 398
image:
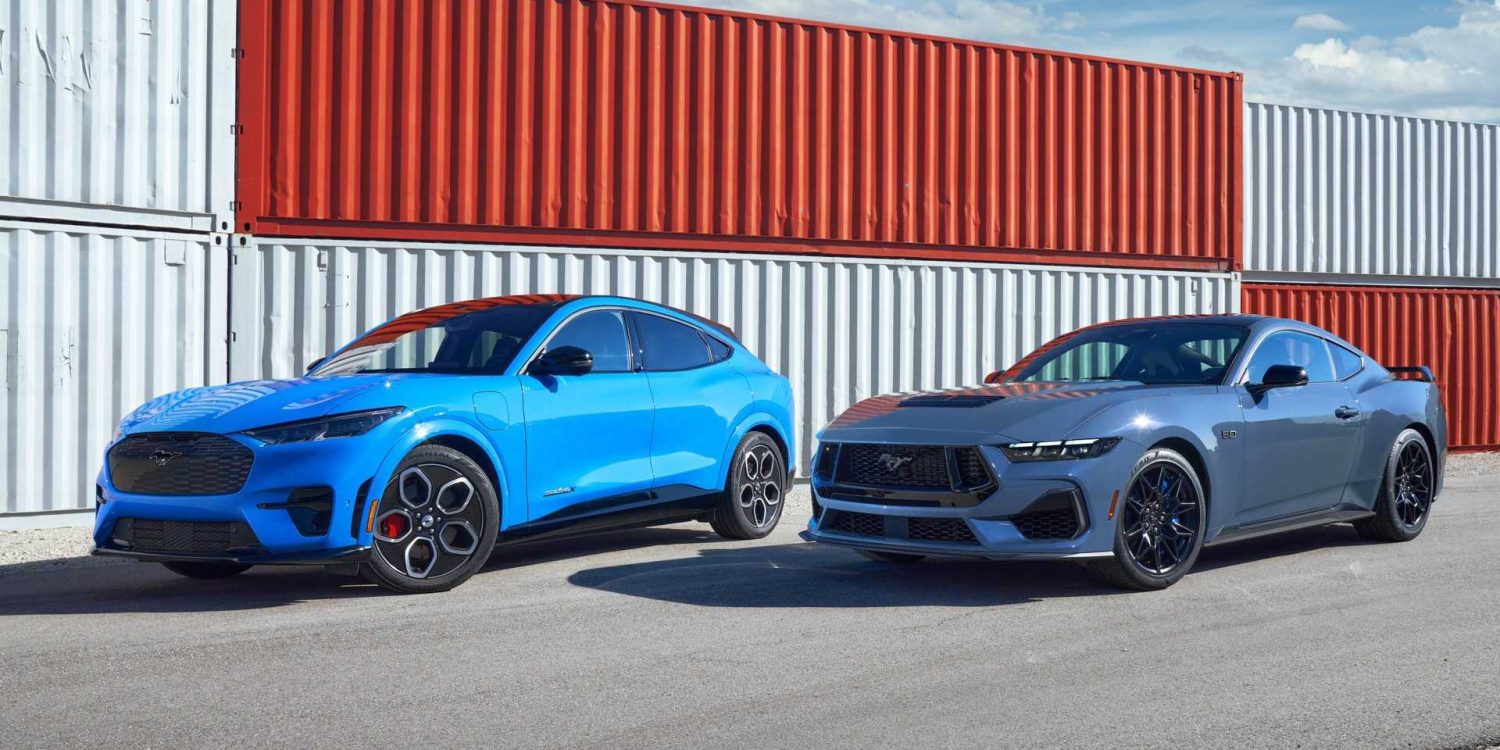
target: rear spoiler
1423 371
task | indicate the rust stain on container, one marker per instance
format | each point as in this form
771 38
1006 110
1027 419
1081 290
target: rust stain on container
627 123
1455 332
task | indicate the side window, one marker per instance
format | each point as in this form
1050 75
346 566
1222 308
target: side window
1292 348
602 334
1345 362
669 345
719 350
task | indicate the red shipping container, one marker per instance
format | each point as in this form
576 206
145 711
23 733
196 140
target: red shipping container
1453 331
627 123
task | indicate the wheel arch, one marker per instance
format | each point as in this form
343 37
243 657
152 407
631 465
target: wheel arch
767 424
450 433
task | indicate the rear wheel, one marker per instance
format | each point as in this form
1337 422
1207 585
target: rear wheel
899 558
436 523
206 570
1161 525
1406 492
751 504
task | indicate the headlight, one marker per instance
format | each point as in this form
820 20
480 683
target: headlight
1057 450
324 428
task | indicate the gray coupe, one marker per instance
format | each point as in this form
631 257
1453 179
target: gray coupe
1131 445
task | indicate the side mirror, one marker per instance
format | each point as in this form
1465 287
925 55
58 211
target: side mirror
564 360
314 365
1281 376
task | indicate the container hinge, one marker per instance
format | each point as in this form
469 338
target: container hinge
237 53
236 129
236 205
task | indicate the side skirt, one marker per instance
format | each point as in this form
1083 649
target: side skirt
1290 523
659 507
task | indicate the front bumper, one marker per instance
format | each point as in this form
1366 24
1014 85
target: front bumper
283 531
992 528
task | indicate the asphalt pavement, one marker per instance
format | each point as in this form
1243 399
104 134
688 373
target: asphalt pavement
671 637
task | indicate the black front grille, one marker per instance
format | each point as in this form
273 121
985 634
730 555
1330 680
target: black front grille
179 463
972 471
182 537
940 530
858 524
1048 524
951 530
920 466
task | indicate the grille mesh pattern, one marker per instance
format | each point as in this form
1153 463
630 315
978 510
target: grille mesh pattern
971 468
922 466
940 530
859 524
1048 524
179 463
183 537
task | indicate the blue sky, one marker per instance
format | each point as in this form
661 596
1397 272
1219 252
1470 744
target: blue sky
1437 58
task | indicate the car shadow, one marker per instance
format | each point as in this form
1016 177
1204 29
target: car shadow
1278 545
106 586
808 575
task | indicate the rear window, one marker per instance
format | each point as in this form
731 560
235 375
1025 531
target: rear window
669 345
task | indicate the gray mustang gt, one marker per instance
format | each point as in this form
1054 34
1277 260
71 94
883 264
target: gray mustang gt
1131 445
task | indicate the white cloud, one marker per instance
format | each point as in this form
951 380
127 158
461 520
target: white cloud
1320 22
1436 71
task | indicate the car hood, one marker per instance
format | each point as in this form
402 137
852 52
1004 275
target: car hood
985 414
254 403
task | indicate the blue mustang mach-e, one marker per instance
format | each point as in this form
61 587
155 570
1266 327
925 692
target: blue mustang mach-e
1131 445
411 451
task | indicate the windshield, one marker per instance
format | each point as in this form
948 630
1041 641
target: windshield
1151 353
477 337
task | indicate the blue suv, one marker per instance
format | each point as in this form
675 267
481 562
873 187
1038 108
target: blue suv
411 451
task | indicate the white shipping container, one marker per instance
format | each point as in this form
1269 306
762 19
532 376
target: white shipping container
94 323
118 112
1352 197
841 329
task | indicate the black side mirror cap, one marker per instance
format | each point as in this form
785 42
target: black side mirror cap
1281 376
564 360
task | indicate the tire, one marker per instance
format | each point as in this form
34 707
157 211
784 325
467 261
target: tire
436 524
206 570
751 503
1163 518
1406 492
897 558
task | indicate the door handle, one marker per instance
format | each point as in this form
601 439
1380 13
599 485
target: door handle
1346 412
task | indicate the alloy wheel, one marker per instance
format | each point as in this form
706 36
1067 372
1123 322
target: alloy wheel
1413 485
759 487
1162 519
431 522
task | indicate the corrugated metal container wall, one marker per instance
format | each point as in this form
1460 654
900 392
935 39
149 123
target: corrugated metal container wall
118 111
1334 192
629 124
97 322
1455 332
842 330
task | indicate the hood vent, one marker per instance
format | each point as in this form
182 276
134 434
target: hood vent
952 400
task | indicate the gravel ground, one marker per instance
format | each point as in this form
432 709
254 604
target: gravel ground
69 547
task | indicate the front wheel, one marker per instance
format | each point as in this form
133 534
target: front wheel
1161 525
751 504
436 524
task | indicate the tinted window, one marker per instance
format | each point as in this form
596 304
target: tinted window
719 350
1345 362
600 333
669 345
1292 348
1154 353
481 336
